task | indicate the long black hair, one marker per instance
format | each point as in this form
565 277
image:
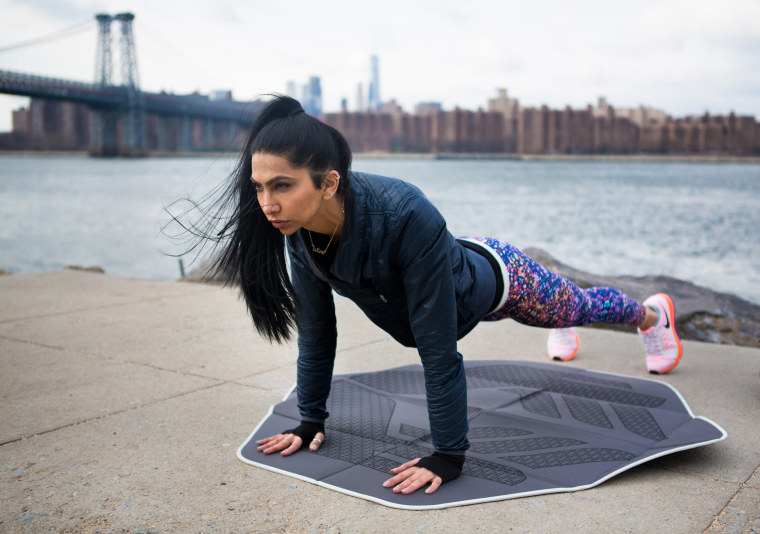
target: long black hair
251 251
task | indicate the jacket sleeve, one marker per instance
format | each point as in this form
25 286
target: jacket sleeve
317 339
422 244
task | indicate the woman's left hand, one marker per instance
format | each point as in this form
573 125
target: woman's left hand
409 479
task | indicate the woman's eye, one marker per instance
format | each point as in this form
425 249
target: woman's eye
282 187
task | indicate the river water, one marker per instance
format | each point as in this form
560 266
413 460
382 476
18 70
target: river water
695 221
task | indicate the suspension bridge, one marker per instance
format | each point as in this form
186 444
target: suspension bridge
124 120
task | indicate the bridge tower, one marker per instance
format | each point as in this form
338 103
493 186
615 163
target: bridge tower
132 120
103 59
135 123
104 120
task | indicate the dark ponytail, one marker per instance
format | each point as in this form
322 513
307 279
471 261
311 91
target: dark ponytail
252 250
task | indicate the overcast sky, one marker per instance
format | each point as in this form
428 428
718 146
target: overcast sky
682 56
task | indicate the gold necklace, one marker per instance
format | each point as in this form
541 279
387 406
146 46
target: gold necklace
323 251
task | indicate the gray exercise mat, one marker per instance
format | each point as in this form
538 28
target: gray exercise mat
534 428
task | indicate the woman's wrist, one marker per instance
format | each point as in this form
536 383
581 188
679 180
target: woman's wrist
446 466
307 430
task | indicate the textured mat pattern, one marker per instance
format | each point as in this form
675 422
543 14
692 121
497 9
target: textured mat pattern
534 428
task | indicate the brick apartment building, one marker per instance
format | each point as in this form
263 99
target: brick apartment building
509 128
505 128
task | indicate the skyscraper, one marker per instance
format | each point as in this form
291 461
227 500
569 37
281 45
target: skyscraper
359 98
374 85
312 97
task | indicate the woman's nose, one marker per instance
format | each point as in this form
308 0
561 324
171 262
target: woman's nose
267 204
269 208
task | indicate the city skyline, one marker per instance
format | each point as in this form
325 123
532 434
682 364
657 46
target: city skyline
506 128
683 57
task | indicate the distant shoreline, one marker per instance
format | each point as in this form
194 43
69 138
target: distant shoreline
639 158
567 157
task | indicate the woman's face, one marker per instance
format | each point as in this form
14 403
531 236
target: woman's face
287 195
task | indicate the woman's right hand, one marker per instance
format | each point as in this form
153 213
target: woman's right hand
287 443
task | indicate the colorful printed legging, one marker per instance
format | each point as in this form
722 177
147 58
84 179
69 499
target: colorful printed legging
539 297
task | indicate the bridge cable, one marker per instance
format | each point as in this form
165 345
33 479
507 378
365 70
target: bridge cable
61 34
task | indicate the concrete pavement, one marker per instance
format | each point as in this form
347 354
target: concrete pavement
124 401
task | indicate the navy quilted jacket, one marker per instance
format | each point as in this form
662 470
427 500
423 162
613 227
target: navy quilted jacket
398 262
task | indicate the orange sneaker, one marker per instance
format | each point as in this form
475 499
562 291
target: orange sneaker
562 344
663 346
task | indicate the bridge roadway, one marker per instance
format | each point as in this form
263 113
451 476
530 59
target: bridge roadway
115 97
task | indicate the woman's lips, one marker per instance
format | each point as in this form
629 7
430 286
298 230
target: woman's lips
277 223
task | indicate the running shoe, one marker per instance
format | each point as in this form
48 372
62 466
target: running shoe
664 349
562 344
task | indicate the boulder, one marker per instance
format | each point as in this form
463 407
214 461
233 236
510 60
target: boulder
701 314
93 269
206 273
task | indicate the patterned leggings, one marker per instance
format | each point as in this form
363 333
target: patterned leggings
539 297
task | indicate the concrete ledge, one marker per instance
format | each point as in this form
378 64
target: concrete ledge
125 400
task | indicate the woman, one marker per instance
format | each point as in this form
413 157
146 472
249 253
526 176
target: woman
381 243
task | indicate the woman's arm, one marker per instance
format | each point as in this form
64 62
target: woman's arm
422 252
317 338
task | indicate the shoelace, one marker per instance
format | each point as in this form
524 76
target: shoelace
657 340
563 336
653 342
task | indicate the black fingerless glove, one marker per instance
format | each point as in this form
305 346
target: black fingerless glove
306 431
446 466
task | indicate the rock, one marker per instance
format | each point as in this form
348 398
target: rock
701 314
94 269
203 274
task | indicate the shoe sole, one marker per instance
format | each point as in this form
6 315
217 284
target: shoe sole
672 310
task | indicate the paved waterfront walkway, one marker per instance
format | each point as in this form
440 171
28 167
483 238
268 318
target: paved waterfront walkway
124 402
